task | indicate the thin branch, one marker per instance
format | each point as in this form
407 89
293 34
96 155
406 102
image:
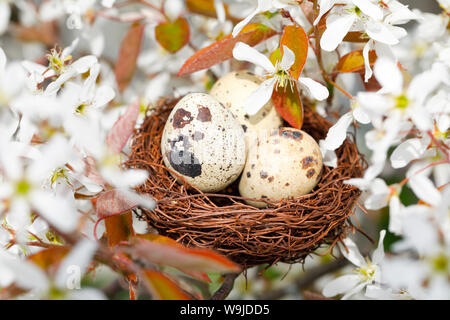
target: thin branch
308 278
226 287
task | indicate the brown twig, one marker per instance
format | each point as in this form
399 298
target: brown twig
226 287
307 279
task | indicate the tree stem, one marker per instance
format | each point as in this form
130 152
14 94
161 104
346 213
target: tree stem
226 287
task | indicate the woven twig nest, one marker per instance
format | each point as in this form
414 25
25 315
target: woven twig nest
286 231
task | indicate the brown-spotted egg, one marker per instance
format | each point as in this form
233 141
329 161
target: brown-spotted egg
283 164
204 143
233 89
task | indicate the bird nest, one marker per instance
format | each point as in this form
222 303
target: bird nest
285 231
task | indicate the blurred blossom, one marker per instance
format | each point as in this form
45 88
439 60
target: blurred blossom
367 275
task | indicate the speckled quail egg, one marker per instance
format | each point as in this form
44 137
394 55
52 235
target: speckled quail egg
285 163
203 142
233 89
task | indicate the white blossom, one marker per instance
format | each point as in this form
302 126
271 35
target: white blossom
366 276
276 76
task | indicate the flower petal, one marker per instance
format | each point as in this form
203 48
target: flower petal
317 90
124 178
244 52
353 255
378 254
2 61
288 58
68 50
26 274
408 150
426 82
400 14
103 96
361 116
263 5
338 132
424 188
337 28
370 9
367 69
395 216
75 263
380 32
324 5
340 285
5 13
259 97
388 75
58 211
83 64
220 9
329 157
379 195
355 290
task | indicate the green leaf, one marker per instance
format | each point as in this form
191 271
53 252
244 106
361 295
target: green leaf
128 55
295 39
222 50
289 105
173 36
162 287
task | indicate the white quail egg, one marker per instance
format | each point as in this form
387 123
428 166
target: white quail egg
204 143
233 89
286 163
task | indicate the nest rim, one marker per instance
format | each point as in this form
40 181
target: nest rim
285 231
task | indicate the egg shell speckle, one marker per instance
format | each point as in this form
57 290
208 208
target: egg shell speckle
233 89
287 163
203 142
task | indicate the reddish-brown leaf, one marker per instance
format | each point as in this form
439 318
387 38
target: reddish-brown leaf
310 295
11 292
206 8
199 275
133 287
173 36
222 50
114 202
162 287
44 32
308 10
128 55
49 259
289 105
119 228
91 172
123 262
372 84
354 61
164 252
295 39
123 128
355 36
